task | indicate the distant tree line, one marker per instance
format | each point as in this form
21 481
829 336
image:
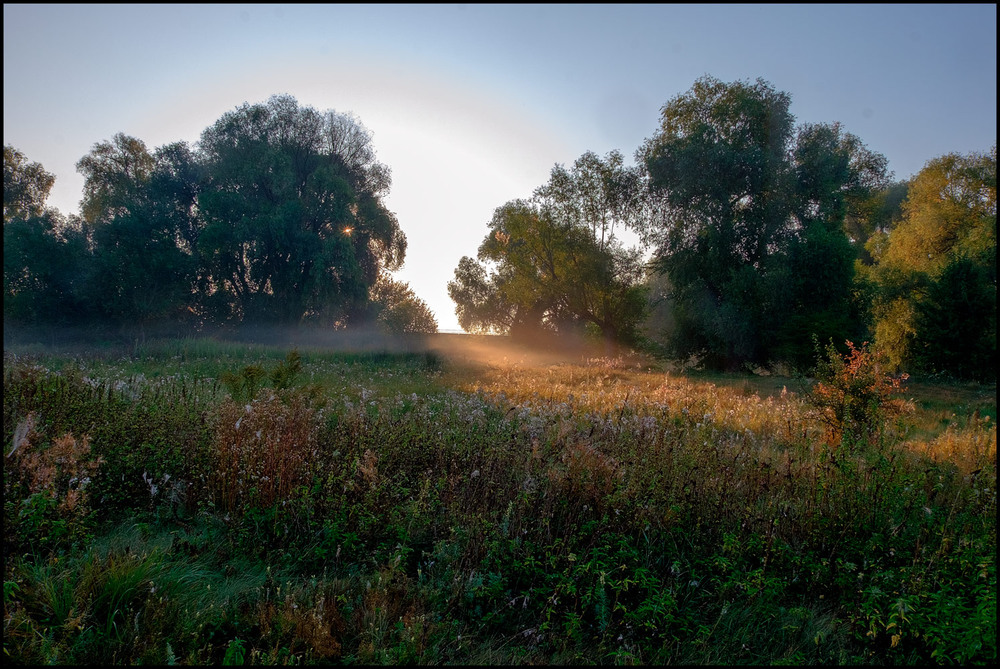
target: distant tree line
275 217
763 238
758 239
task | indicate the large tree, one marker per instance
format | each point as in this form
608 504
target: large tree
294 224
276 215
44 254
719 162
944 245
139 212
115 171
44 260
753 235
553 263
836 179
955 322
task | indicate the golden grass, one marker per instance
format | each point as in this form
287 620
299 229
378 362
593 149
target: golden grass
770 408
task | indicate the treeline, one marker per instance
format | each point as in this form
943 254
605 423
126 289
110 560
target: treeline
766 238
759 239
275 217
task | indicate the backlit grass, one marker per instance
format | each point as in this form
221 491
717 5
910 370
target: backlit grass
491 505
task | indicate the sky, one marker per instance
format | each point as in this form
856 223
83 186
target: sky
471 106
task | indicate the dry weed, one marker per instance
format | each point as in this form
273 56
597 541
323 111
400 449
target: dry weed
263 451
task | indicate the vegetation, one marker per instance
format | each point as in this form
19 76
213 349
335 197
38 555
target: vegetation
276 217
935 272
195 501
754 239
558 266
757 235
469 500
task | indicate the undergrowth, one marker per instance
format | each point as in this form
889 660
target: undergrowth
406 509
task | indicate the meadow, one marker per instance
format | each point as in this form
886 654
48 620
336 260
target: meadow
463 501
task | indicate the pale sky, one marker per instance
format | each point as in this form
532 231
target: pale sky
471 106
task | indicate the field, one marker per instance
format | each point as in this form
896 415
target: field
460 500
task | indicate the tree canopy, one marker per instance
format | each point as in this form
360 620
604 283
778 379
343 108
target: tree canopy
276 215
753 237
553 263
26 186
292 229
935 272
758 237
398 310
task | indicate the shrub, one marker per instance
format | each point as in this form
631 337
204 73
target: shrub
853 394
262 451
50 483
244 385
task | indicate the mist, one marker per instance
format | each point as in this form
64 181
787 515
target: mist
539 350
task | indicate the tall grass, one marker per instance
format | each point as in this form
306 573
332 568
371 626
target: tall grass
406 508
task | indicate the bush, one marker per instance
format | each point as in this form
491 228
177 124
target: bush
262 451
853 394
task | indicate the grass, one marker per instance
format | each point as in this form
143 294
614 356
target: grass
471 502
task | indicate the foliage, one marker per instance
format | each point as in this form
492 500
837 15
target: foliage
854 394
45 260
594 510
114 172
558 266
277 215
26 186
52 482
750 205
941 255
881 213
955 325
292 228
261 452
139 210
245 385
422 507
398 309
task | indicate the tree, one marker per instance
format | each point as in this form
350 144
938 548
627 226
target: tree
139 210
177 178
836 179
43 264
294 226
480 303
521 295
399 310
719 162
43 253
557 264
925 266
950 210
276 216
882 212
752 210
595 193
114 172
26 186
955 325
